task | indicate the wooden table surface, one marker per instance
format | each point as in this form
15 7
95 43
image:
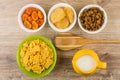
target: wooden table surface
11 35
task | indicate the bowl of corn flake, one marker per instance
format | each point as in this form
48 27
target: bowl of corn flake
62 17
36 56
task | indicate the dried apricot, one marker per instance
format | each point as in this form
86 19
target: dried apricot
40 22
40 15
34 25
24 17
29 10
27 24
34 15
30 19
36 9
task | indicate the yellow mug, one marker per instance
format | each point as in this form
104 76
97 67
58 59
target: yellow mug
91 53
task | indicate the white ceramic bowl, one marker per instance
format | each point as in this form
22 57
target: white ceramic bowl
20 19
104 23
57 6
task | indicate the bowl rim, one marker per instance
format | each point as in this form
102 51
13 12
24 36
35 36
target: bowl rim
57 6
22 11
30 73
103 25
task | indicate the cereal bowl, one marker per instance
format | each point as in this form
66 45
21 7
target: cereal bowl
60 5
20 21
31 73
102 26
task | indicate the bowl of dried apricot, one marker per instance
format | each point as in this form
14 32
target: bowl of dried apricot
32 18
92 19
62 17
36 56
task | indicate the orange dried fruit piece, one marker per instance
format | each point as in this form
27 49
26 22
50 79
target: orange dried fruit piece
30 19
36 9
40 15
34 15
40 22
29 10
34 25
24 17
27 24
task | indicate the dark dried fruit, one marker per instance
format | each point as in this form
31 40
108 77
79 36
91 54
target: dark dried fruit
92 19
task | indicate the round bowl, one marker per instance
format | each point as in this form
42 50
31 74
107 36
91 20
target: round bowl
57 6
103 25
22 11
30 73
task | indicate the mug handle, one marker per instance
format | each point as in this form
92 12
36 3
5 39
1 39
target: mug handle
102 65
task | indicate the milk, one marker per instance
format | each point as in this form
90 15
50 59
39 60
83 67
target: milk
86 63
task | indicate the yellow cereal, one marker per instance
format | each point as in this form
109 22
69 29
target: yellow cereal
57 15
64 23
48 63
70 14
36 56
